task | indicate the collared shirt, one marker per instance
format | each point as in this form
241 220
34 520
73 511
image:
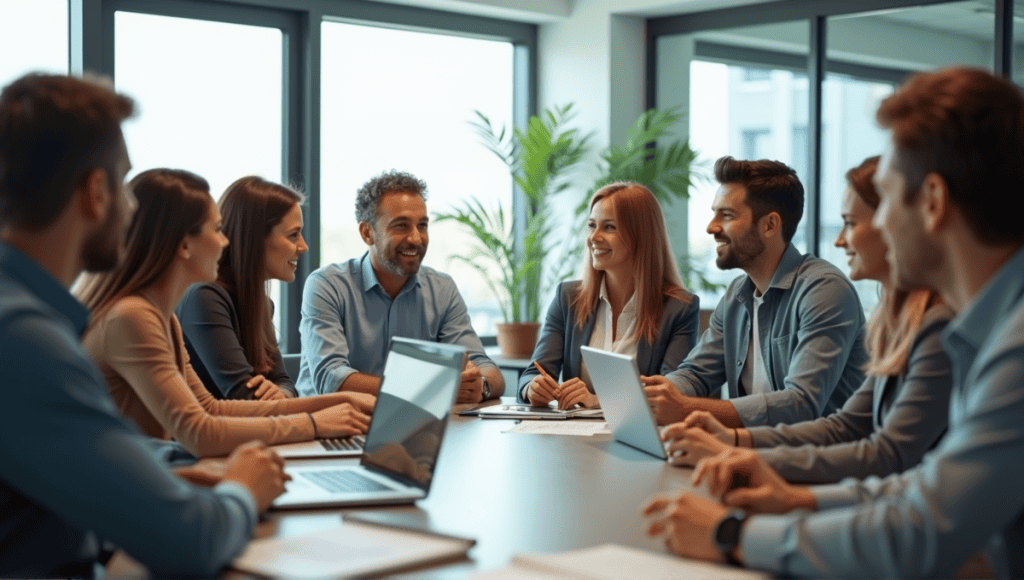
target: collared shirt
811 328
603 337
59 428
348 321
754 380
965 495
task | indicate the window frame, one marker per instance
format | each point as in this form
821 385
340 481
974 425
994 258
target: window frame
92 33
815 64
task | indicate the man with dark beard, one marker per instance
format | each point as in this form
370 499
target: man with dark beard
785 343
350 310
75 475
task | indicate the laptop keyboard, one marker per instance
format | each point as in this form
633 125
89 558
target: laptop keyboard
354 443
344 480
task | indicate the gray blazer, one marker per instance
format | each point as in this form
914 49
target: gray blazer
812 344
885 427
558 349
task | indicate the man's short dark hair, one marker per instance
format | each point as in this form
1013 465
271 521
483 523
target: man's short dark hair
966 125
368 196
54 130
771 186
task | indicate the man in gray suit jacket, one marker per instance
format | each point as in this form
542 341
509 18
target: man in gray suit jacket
955 163
786 342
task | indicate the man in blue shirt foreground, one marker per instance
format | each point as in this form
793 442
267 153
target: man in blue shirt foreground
350 310
786 342
75 477
947 186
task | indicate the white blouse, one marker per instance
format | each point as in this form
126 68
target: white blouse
624 342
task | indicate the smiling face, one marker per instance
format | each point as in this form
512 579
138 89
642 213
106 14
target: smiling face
863 242
912 256
739 244
283 246
605 242
398 239
204 248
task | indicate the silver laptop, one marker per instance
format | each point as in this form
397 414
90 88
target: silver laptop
341 447
617 385
416 396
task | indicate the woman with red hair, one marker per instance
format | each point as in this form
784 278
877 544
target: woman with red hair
630 300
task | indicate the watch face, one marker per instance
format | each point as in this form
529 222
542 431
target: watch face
727 535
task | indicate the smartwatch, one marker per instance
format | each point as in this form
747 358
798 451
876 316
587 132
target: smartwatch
487 388
727 534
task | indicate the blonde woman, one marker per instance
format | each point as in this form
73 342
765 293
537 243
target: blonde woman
630 300
175 240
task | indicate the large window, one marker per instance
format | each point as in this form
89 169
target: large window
872 53
747 89
398 99
209 93
210 99
739 106
33 37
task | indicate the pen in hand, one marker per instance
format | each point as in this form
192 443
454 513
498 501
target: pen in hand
556 390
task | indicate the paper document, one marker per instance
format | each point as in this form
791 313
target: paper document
351 549
581 428
610 562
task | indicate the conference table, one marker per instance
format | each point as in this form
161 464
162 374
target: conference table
516 493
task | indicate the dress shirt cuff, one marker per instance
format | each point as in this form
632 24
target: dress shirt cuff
243 498
834 496
760 436
682 385
763 536
338 377
752 409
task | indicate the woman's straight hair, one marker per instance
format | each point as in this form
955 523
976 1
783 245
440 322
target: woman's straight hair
250 209
641 223
891 330
171 204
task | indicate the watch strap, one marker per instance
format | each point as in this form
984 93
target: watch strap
727 535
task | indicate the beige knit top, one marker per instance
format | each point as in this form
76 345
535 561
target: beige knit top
142 357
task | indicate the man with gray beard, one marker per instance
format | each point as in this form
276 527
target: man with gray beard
352 309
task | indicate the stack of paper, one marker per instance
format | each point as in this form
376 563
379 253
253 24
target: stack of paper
612 562
351 549
580 428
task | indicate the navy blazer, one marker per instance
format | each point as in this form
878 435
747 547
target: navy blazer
558 349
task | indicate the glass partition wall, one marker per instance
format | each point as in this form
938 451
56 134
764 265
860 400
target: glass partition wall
748 77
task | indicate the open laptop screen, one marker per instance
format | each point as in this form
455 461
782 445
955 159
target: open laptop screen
416 396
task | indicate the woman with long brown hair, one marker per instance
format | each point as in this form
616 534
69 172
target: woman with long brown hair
631 300
228 327
174 241
901 409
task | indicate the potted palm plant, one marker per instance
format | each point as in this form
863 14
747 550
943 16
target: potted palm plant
538 157
520 270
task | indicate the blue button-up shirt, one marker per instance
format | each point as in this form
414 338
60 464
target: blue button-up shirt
965 495
73 471
812 339
348 321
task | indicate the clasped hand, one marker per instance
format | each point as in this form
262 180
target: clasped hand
543 389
